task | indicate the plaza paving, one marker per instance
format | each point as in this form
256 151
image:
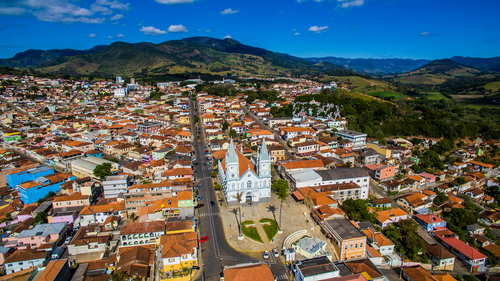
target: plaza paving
292 220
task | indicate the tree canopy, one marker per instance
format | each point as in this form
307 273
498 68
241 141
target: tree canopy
103 170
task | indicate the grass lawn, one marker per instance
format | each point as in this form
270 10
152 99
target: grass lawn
383 95
251 232
271 230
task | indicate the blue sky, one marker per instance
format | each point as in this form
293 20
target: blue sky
418 29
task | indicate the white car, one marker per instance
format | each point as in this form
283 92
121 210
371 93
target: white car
275 253
266 255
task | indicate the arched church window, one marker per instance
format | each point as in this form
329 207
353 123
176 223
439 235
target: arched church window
249 184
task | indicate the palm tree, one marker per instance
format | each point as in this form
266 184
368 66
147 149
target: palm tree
282 195
238 197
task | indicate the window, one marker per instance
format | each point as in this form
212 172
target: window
20 263
356 246
361 245
346 247
234 186
350 246
366 180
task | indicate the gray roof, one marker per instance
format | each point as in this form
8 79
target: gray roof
91 162
4 250
344 228
316 266
350 133
310 245
304 175
43 230
342 173
40 169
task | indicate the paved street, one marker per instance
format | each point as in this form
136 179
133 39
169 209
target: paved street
216 252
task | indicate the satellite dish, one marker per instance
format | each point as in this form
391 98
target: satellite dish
162 205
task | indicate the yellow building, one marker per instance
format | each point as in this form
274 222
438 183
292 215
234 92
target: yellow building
382 151
179 251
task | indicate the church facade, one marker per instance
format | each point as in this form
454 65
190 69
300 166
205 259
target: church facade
252 179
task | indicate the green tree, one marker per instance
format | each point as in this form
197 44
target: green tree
440 198
196 119
233 134
40 218
103 170
225 126
282 190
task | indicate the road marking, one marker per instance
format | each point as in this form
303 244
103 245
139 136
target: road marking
282 277
209 214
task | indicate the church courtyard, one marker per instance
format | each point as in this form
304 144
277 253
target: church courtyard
293 220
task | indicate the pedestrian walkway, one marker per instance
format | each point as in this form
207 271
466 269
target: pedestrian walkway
282 277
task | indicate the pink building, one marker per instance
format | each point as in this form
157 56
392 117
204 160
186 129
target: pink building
40 234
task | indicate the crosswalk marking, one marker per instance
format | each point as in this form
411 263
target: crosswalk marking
209 214
282 277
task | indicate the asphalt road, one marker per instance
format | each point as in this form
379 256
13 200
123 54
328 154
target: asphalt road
216 252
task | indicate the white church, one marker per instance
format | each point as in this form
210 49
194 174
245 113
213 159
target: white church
251 178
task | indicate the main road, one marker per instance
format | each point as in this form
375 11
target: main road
216 252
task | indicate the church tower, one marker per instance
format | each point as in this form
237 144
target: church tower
264 161
232 164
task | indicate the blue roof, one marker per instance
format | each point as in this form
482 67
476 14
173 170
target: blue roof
4 250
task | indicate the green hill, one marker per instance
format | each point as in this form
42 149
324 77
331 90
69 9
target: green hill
191 55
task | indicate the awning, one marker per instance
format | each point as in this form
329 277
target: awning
298 195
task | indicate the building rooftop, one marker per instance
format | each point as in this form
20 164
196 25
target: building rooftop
316 266
344 228
336 174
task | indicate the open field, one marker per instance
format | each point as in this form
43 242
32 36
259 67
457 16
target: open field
435 96
362 85
382 95
493 86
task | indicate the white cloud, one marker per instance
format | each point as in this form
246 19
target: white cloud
120 35
208 30
299 1
151 30
227 37
297 34
110 37
351 3
91 35
229 11
293 30
12 11
115 4
425 33
61 10
170 2
177 28
318 29
116 17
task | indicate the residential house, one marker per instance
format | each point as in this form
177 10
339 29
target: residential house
139 233
381 172
473 260
89 239
417 273
441 258
179 251
25 259
33 191
387 217
379 242
247 272
319 268
429 221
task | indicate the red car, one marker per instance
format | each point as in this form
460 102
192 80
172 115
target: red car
203 239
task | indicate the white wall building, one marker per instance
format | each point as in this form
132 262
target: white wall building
238 174
114 185
120 92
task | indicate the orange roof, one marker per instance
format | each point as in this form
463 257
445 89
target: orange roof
51 270
260 272
176 245
302 164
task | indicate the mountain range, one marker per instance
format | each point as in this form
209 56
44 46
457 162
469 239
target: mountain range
213 56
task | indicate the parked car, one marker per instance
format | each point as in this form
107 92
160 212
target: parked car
212 203
200 197
275 253
266 255
203 239
199 206
68 240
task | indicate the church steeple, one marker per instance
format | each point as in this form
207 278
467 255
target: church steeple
264 161
231 154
